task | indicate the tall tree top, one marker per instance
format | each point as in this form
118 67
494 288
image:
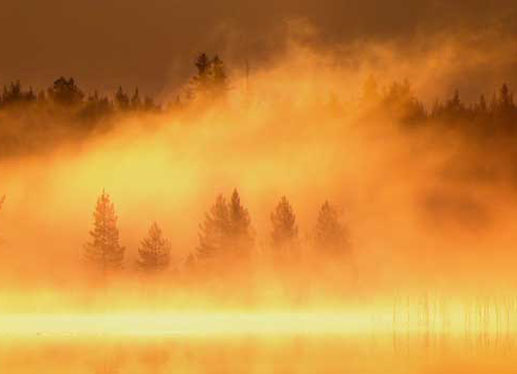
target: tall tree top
104 249
154 250
284 223
330 233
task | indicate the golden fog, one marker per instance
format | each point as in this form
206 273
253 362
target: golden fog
426 210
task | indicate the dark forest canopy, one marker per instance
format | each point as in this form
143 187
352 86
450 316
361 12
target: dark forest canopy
37 120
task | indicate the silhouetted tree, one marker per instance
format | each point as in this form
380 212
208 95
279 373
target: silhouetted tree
330 233
211 78
240 236
14 94
218 75
65 92
285 231
121 99
154 250
226 230
400 102
505 98
96 108
104 250
482 106
213 236
136 102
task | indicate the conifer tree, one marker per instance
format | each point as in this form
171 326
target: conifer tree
240 236
285 231
330 233
66 92
211 78
154 250
104 249
122 99
226 230
213 236
136 102
219 77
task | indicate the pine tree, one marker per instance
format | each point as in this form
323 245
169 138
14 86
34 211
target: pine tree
104 250
226 230
505 97
219 77
211 78
136 102
330 233
213 236
240 236
122 99
154 250
66 92
285 231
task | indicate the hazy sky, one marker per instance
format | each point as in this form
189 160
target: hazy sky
151 43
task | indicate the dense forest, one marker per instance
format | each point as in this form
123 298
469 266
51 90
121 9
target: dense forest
31 120
34 120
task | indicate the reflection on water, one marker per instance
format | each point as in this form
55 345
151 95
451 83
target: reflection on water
367 353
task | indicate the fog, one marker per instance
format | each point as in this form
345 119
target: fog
425 208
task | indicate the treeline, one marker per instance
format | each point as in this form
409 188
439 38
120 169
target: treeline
32 120
496 115
65 94
226 238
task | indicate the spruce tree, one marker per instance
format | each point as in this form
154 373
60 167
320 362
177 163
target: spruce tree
66 92
285 231
330 233
154 250
104 249
213 236
240 236
226 230
211 78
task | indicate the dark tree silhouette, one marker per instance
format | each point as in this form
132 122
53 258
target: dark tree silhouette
65 92
203 65
218 75
240 236
285 231
104 249
136 102
14 94
96 108
331 236
122 99
505 98
400 102
226 230
213 236
154 251
211 78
